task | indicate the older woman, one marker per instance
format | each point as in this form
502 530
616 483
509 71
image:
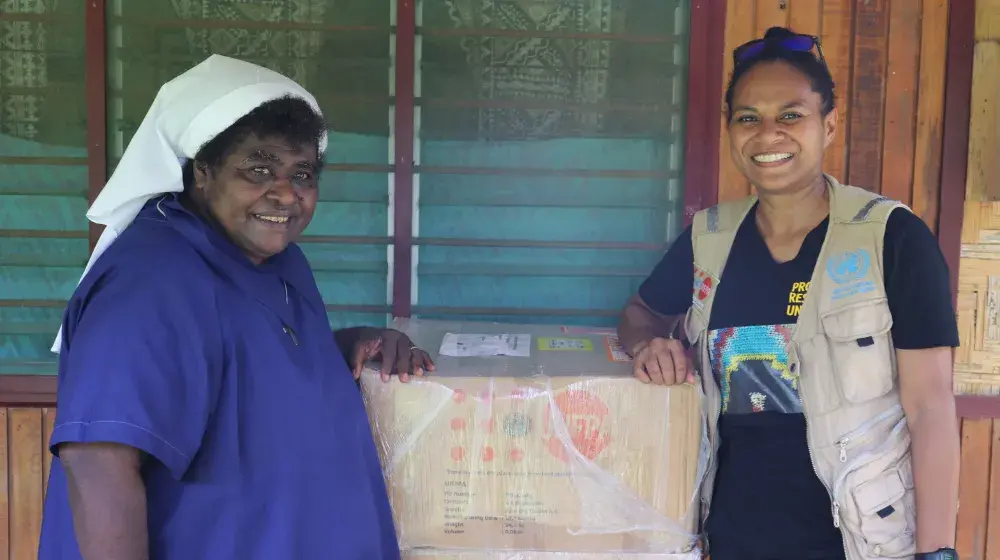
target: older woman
205 410
823 328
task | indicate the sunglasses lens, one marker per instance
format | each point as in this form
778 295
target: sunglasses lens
749 51
798 43
794 43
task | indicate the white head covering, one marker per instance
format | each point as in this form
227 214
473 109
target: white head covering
188 111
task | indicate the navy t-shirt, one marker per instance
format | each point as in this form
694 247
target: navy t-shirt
768 502
227 376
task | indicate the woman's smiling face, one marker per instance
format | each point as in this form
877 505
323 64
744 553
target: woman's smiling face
777 131
263 194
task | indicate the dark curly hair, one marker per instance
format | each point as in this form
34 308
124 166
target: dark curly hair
814 69
288 118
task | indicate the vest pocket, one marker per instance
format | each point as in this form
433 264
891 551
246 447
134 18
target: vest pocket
860 349
885 509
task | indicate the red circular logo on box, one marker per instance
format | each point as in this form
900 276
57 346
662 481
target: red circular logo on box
583 414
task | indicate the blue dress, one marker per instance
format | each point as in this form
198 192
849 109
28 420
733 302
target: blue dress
228 376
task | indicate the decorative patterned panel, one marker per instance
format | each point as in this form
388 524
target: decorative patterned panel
341 51
549 155
43 175
977 363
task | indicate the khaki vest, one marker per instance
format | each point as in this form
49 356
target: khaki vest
842 351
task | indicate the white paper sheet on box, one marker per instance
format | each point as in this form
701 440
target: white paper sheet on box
479 345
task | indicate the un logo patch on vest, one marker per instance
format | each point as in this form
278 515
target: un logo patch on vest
850 271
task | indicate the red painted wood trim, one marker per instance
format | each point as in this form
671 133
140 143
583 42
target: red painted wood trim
27 390
704 103
95 47
977 406
406 32
955 134
538 33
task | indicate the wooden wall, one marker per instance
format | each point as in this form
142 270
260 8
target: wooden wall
977 366
978 533
24 471
888 61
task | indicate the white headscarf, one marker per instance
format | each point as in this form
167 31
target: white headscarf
187 112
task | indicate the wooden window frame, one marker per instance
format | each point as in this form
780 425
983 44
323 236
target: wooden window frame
701 165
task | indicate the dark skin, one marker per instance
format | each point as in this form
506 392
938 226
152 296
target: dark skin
261 197
267 179
777 135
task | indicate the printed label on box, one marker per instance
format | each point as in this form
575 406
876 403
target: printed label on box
564 344
615 351
485 345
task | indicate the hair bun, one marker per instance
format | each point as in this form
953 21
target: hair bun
778 33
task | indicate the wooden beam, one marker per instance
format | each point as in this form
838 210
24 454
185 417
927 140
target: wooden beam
402 248
706 56
95 47
955 134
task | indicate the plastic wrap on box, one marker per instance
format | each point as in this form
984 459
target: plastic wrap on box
532 555
536 438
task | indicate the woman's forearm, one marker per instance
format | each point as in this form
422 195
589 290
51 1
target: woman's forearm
936 460
108 499
638 324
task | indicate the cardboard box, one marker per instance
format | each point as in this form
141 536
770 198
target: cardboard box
538 439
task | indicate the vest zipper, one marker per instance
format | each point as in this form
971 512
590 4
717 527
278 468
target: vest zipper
812 460
854 465
843 441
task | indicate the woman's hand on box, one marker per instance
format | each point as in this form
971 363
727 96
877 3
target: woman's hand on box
394 350
662 361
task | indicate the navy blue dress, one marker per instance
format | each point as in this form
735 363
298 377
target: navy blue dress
228 376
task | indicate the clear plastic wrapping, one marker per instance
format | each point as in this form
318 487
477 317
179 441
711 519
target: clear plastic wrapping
531 555
536 438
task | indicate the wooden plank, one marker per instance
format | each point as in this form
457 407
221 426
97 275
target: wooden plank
403 148
770 13
899 127
993 514
971 407
739 29
96 84
838 48
48 422
930 111
806 16
4 490
983 172
704 101
955 134
25 481
987 20
974 485
871 33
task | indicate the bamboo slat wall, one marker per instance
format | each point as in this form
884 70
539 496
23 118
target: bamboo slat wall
888 61
977 365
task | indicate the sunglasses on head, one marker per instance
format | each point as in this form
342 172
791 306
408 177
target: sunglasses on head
791 43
